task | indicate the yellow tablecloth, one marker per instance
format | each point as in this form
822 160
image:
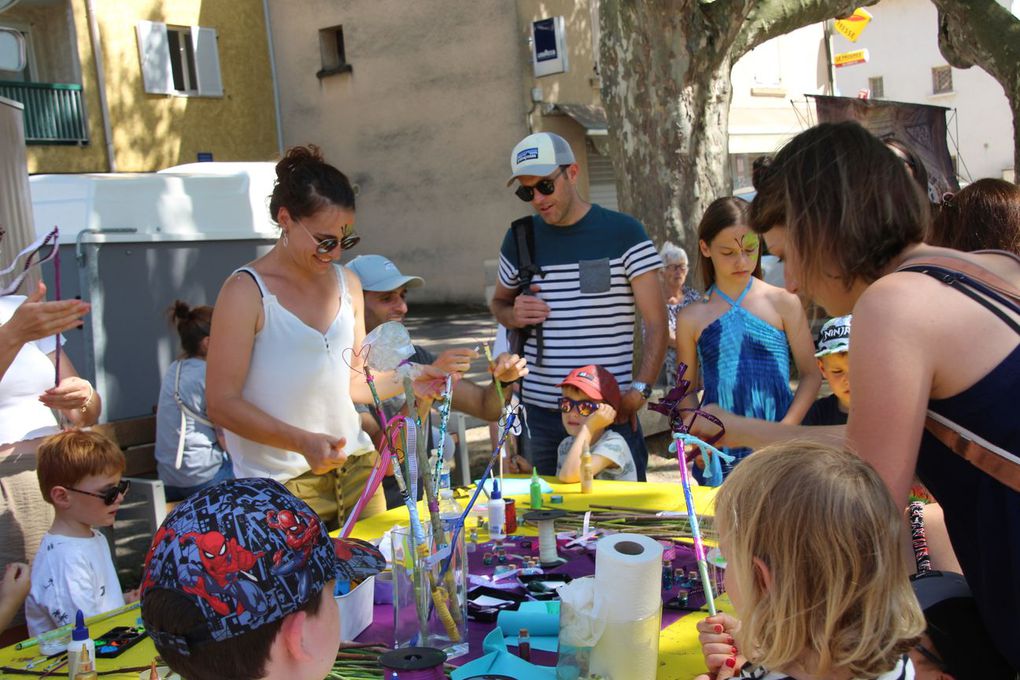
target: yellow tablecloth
679 652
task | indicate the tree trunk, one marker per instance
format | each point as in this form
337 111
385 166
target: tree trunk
666 89
986 34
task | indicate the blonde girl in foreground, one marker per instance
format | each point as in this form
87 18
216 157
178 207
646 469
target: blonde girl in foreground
815 571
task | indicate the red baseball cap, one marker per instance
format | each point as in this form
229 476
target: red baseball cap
596 382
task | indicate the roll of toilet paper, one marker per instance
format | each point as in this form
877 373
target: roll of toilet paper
628 579
628 575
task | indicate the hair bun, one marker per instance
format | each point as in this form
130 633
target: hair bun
180 310
296 159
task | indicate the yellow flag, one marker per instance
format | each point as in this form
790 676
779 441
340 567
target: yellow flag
851 27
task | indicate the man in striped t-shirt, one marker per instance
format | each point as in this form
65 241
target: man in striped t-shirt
598 268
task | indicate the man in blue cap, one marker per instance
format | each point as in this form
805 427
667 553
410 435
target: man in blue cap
385 289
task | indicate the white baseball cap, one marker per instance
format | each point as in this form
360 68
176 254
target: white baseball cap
834 336
539 155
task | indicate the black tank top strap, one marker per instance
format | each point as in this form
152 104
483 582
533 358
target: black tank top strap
979 284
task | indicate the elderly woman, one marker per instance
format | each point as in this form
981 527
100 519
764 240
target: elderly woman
677 295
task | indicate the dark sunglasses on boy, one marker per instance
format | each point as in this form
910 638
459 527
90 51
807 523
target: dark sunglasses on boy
328 245
585 407
546 187
110 495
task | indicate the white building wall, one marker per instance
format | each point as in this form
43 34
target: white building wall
769 104
902 40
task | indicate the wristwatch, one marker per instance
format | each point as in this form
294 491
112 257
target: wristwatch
644 389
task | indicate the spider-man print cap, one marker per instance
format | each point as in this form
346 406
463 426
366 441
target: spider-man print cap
246 553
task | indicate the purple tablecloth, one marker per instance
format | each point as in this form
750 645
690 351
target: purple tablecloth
580 562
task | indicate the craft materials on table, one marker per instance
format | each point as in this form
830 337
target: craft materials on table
64 632
413 663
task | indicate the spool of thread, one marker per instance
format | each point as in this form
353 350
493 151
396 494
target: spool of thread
413 663
545 520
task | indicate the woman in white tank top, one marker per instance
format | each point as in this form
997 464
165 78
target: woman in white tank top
286 333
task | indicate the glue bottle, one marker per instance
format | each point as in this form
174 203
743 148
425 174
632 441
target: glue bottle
536 490
86 669
497 513
80 641
586 474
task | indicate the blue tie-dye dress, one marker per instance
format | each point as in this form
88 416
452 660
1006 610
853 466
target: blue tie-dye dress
745 368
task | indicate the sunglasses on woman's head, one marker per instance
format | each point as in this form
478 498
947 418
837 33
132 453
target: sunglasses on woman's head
585 407
110 495
328 245
546 187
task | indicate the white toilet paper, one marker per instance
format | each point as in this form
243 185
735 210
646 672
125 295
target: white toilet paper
628 580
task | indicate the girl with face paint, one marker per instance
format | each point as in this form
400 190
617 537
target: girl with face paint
738 343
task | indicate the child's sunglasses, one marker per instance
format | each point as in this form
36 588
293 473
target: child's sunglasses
585 407
328 245
546 187
110 495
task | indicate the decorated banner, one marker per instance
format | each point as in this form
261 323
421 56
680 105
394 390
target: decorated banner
922 127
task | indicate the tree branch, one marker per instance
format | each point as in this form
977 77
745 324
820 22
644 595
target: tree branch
772 18
982 33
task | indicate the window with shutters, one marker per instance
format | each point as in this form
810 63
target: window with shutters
942 79
179 60
877 87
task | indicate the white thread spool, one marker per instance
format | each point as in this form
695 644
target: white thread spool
545 520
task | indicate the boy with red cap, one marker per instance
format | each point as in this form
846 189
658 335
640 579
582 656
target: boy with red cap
590 398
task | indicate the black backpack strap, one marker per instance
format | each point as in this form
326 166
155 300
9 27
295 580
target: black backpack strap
524 239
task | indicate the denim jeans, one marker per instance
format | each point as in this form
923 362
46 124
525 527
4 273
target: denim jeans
179 493
544 431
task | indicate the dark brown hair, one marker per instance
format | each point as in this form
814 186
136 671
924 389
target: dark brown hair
69 457
847 202
911 159
305 184
722 213
982 216
243 657
193 324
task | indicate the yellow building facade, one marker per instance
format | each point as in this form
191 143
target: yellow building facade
184 80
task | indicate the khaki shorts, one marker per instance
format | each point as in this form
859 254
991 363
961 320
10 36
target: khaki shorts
333 495
24 516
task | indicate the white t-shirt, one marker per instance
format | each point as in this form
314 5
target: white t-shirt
69 574
610 445
22 415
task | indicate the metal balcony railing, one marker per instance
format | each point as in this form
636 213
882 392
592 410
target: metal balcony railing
54 112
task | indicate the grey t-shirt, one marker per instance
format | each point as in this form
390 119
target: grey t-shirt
202 453
610 445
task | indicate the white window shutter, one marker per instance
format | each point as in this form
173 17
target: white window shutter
207 61
154 52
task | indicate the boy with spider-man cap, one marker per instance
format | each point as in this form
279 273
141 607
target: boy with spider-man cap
239 583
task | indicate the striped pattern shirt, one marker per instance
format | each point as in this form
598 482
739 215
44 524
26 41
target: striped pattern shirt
588 270
903 670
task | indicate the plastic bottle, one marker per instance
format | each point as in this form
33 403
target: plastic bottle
86 669
497 513
587 478
79 640
449 509
536 490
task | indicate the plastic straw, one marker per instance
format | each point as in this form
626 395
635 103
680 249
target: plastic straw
64 631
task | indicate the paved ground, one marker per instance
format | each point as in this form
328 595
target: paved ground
438 328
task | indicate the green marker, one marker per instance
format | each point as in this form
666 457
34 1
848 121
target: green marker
536 490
